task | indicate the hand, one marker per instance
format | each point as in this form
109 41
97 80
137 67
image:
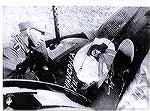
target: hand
36 37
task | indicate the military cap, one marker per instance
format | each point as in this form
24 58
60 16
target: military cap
36 23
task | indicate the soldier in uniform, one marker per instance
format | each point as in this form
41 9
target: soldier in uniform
20 47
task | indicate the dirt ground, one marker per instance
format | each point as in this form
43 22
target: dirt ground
71 19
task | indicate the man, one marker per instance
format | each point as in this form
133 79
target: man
18 53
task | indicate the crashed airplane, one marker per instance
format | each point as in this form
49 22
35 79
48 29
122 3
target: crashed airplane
66 86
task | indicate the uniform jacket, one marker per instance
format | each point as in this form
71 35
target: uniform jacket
14 52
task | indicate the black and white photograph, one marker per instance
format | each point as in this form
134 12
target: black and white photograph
75 57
